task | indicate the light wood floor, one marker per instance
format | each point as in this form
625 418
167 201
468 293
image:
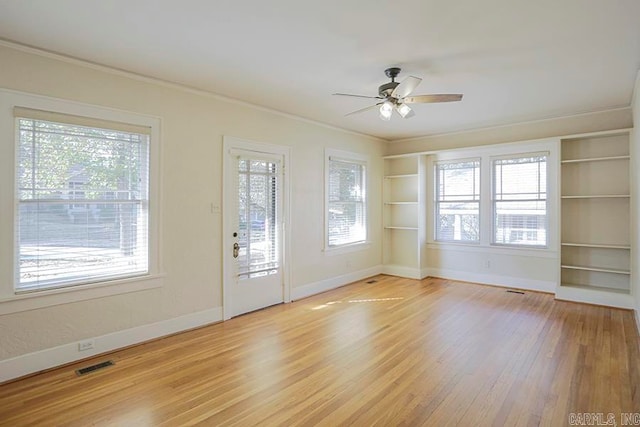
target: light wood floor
395 352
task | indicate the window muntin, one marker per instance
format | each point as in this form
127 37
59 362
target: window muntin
520 200
457 201
103 233
346 202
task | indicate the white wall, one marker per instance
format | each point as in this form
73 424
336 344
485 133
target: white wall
193 125
591 122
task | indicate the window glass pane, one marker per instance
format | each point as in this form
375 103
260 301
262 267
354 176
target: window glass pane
520 201
83 204
457 201
347 203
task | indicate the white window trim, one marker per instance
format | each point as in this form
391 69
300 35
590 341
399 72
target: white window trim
331 153
486 154
12 301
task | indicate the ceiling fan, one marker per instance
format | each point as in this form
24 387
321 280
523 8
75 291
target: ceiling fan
395 96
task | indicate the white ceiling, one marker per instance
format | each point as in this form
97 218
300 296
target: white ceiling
514 60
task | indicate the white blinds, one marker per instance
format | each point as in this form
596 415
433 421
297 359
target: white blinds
347 219
88 122
520 200
83 200
458 200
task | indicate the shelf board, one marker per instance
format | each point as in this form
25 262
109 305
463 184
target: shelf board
406 175
595 288
596 159
598 246
600 270
599 196
393 227
400 203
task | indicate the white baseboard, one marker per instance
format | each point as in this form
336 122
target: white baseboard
307 290
49 358
493 279
402 271
594 296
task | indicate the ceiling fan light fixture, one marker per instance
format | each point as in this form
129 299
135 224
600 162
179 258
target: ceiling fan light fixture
386 109
403 110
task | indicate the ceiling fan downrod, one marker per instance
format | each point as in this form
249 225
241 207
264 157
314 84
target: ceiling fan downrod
386 89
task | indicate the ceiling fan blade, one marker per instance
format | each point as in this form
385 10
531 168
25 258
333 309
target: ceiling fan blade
441 97
406 87
362 110
358 96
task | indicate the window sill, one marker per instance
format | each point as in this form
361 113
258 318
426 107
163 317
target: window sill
495 249
353 247
46 298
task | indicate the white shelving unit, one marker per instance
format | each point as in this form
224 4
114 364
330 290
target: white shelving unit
404 218
595 263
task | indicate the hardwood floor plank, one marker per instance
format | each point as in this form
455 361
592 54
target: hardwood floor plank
396 352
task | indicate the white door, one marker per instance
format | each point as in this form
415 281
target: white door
254 227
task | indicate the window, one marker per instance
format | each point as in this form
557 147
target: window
457 201
520 200
103 167
346 201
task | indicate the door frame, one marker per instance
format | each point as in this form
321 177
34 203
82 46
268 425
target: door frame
230 143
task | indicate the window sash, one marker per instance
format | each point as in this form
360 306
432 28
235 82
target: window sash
346 202
457 203
74 231
519 200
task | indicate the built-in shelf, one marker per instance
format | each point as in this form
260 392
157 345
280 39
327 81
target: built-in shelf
404 218
595 256
601 270
598 246
596 159
407 175
400 203
599 196
392 227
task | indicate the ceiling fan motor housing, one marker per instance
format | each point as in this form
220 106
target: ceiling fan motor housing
386 89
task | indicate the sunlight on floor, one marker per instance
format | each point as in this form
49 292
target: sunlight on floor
319 307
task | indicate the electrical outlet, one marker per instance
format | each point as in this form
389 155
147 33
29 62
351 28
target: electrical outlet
487 264
86 345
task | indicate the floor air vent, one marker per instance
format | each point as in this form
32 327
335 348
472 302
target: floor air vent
515 292
94 368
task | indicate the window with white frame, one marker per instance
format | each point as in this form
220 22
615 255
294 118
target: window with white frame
102 167
457 201
346 208
520 200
